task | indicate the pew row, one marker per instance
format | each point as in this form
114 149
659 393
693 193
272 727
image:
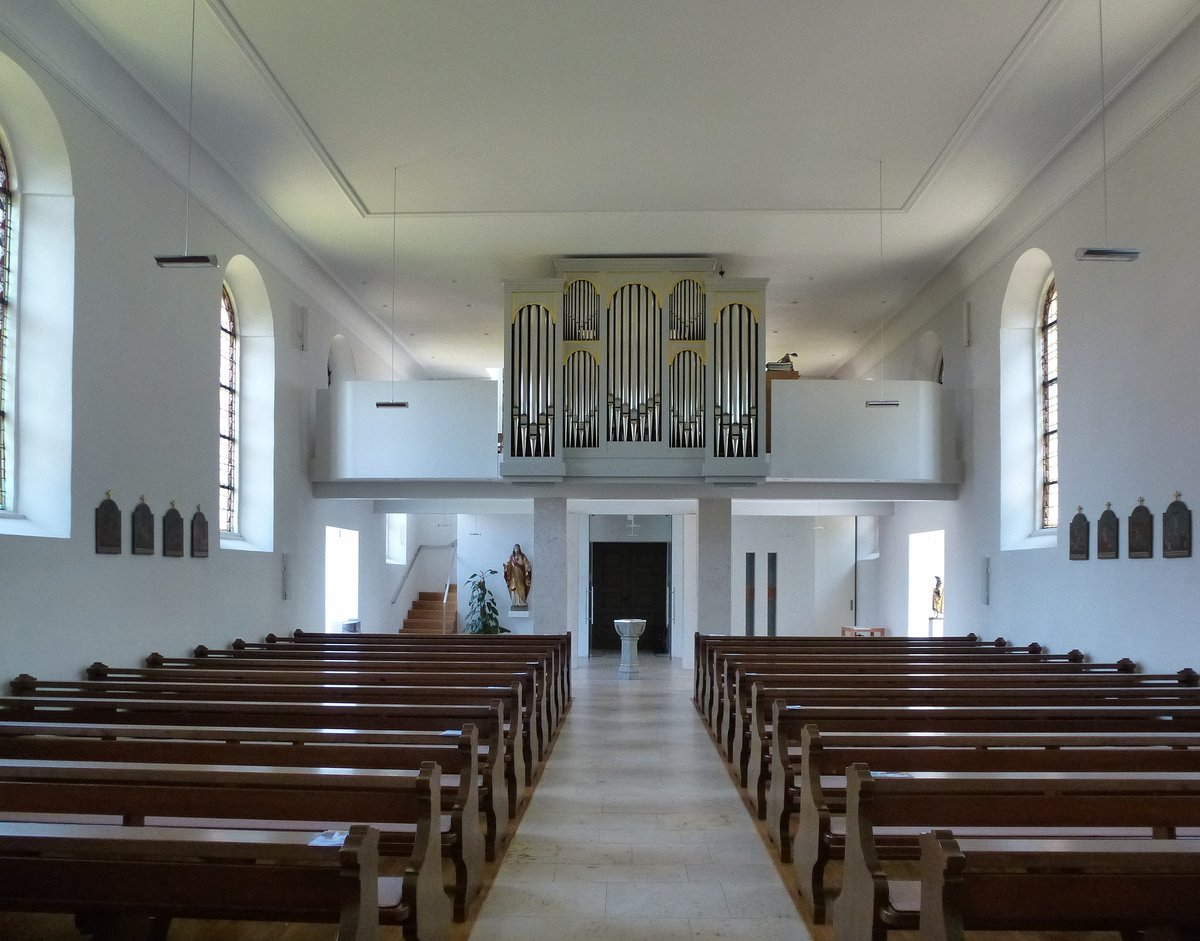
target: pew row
705 645
740 675
1126 885
405 807
1013 805
533 672
1009 660
819 798
558 645
121 882
964 711
358 700
490 720
461 837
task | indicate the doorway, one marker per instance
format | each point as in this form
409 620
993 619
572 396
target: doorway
341 578
926 568
630 580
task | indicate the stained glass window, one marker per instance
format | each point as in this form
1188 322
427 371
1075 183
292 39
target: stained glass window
5 326
228 421
1049 418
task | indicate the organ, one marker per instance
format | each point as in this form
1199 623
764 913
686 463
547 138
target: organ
634 367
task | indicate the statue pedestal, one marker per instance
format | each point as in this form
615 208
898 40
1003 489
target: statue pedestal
629 630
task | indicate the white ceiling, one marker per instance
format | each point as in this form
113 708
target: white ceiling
755 131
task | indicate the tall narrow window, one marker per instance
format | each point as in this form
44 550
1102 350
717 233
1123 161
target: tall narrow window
5 327
1049 375
228 420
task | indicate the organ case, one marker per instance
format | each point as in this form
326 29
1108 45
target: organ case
635 367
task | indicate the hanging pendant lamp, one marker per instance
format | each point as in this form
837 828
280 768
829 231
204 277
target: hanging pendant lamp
1104 253
188 260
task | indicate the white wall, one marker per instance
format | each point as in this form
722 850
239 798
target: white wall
490 549
814 574
144 424
1129 340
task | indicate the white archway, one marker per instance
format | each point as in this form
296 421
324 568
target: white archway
43 292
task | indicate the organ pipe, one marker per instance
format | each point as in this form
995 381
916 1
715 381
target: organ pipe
532 401
686 308
634 355
687 400
581 401
736 387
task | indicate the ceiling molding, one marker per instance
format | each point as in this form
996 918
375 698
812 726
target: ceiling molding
242 41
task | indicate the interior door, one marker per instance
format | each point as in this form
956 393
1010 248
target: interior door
630 580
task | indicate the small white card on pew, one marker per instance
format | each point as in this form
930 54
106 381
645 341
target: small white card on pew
329 838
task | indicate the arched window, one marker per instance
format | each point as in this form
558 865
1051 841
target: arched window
37 257
1024 457
228 420
1048 364
5 241
250 428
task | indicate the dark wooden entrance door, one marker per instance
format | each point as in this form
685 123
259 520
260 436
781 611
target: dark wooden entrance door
629 580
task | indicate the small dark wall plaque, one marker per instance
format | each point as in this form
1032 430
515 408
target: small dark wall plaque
199 535
1141 532
173 533
1108 534
108 527
1177 530
143 529
1080 536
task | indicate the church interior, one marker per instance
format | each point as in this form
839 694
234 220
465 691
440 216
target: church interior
737 319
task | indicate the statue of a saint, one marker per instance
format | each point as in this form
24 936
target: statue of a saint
518 576
938 601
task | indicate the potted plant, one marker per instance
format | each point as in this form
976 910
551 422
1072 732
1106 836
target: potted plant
483 617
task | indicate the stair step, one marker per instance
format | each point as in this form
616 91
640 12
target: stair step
433 612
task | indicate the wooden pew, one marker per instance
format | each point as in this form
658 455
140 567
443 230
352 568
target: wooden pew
1045 710
404 806
491 720
117 879
1006 659
735 734
462 837
537 711
1056 885
559 645
870 903
820 795
305 748
517 743
706 644
713 649
312 657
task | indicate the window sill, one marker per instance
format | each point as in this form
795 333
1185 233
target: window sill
238 543
1043 539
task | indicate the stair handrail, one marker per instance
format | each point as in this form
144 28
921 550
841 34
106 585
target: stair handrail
450 579
412 564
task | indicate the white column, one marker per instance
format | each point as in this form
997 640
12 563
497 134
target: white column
548 597
715 587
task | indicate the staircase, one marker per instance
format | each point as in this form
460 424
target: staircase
429 615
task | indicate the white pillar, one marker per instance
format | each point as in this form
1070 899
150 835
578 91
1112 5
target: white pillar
715 587
548 598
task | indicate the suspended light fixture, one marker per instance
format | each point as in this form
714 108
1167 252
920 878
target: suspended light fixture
187 260
882 276
391 402
1104 253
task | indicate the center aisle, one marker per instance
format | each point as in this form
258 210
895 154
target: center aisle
635 830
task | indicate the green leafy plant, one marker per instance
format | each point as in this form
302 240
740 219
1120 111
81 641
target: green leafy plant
483 617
